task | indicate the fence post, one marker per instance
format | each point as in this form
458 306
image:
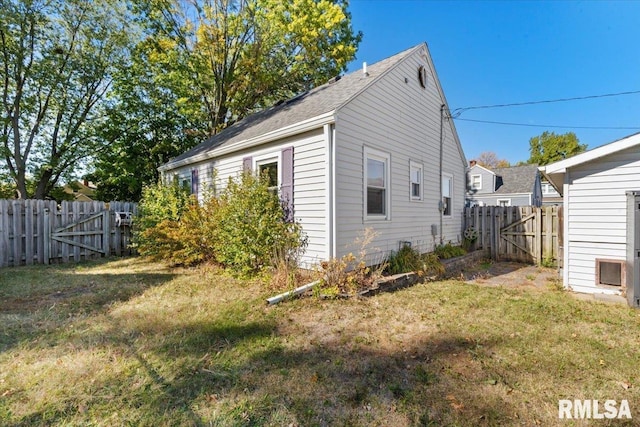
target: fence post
46 236
106 232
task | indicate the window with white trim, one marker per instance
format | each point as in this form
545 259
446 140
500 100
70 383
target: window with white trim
415 180
504 202
447 194
269 167
376 170
476 182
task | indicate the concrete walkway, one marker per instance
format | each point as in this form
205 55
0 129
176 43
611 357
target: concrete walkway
513 274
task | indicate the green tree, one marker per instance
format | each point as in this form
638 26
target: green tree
57 60
549 147
204 65
228 58
144 129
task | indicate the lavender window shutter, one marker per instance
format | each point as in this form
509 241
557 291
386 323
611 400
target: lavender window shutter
195 185
286 189
246 164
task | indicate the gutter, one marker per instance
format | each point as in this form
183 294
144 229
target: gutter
291 130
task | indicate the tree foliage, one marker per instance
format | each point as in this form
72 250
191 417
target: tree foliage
549 147
205 64
489 160
229 58
144 129
58 57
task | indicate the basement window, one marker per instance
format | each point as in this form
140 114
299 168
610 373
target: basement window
610 272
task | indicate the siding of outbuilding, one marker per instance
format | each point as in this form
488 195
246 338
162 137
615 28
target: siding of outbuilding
402 119
595 215
309 188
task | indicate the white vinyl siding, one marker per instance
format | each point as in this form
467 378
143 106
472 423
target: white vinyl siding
309 188
403 119
486 180
596 214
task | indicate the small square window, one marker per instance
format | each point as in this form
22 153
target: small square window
268 169
504 202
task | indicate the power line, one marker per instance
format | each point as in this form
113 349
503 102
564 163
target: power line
550 126
456 112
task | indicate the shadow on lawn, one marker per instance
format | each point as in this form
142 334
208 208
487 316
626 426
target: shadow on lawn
315 385
38 309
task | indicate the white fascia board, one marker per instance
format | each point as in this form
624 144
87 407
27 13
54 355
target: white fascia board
295 129
555 178
613 147
480 167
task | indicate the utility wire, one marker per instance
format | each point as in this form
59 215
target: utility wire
550 126
456 112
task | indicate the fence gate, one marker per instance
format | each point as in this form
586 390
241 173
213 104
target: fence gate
90 233
518 233
43 231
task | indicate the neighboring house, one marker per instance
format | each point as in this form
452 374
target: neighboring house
82 191
513 186
550 197
599 255
371 149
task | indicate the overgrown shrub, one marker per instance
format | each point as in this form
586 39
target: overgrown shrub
251 228
405 260
243 229
446 251
350 274
159 203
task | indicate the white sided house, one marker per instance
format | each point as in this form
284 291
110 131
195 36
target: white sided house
370 149
601 197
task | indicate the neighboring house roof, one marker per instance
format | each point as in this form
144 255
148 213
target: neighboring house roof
517 179
555 172
82 191
318 102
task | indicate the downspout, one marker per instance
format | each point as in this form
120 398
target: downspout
329 132
441 203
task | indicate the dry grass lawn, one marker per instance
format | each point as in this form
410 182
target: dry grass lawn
129 342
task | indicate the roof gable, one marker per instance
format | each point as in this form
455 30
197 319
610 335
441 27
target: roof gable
322 100
478 168
517 179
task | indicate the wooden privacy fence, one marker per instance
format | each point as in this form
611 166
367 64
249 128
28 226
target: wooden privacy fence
517 233
43 231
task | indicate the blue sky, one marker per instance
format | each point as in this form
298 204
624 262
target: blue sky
495 52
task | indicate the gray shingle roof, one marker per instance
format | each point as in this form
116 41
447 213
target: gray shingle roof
320 100
517 179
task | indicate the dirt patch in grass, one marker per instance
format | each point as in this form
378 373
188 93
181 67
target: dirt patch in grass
511 274
197 347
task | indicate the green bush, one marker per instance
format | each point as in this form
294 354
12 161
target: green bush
446 251
159 203
252 232
243 229
405 260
